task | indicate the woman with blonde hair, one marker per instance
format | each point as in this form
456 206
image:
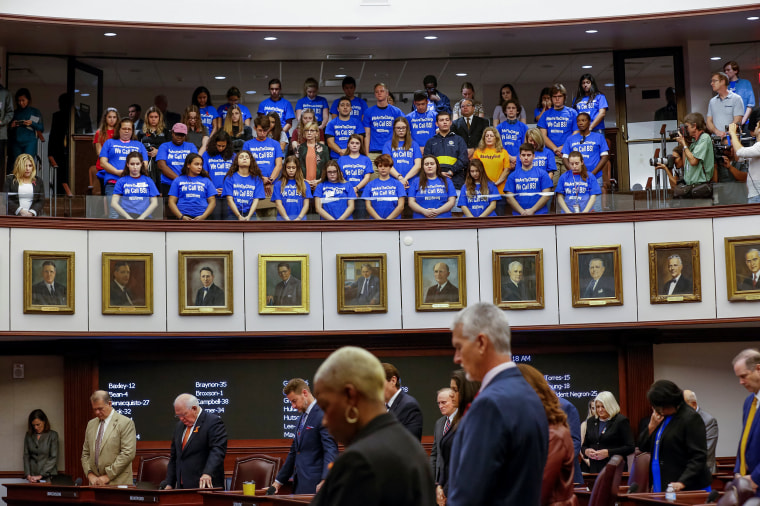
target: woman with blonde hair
608 434
26 195
236 128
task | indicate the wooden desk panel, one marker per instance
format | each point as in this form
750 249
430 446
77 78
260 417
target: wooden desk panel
123 496
682 498
235 498
45 493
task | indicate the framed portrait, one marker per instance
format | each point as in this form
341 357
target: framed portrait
127 283
283 284
518 279
49 282
674 272
596 276
743 268
439 280
362 284
205 282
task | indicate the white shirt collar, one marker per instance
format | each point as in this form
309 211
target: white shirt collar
308 410
452 415
490 375
393 399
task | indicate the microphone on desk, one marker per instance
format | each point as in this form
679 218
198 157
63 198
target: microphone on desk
712 496
633 488
78 482
271 490
162 485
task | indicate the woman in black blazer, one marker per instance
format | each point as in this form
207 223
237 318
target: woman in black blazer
24 173
40 448
606 435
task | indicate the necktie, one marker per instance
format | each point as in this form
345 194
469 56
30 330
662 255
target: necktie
754 281
468 123
364 286
205 292
188 430
745 437
99 440
52 290
447 426
387 407
300 425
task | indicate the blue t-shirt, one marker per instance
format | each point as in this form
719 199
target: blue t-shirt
290 198
265 152
135 193
422 125
222 110
576 191
243 190
282 107
174 156
543 159
384 195
379 120
592 148
208 114
592 107
558 124
341 130
317 105
743 88
335 197
478 203
358 106
217 168
116 151
354 169
403 159
532 181
192 194
512 135
436 193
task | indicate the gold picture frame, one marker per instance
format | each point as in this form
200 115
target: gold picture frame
688 282
590 276
428 294
281 295
205 283
127 283
743 268
49 282
362 283
518 279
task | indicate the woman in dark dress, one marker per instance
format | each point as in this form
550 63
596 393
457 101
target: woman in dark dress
40 448
606 435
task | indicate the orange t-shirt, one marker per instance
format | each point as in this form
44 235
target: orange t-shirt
311 163
494 163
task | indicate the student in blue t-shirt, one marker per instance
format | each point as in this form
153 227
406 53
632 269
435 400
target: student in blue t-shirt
542 158
291 194
525 185
313 101
233 98
406 154
421 120
512 130
557 124
378 121
340 128
172 155
135 195
277 104
475 202
217 161
243 187
432 195
192 196
358 105
576 190
590 100
209 115
357 169
113 156
593 147
334 196
384 196
267 151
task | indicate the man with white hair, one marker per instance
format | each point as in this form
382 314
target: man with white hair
747 368
198 447
711 427
500 447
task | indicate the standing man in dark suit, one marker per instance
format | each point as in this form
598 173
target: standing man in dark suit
747 369
448 407
48 292
599 286
470 126
677 284
367 288
752 281
198 447
313 449
711 427
209 294
442 290
404 406
501 444
513 287
288 291
120 296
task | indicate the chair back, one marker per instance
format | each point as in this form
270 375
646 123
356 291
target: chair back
737 492
152 468
639 473
754 501
606 487
258 467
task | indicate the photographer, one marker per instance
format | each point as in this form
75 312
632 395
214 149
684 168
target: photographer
752 176
676 175
700 159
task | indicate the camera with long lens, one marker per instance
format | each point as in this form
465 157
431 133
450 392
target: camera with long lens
673 134
667 161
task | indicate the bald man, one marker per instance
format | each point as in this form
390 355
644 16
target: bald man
711 427
442 290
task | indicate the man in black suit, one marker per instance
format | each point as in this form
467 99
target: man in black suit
120 296
513 288
288 291
752 282
198 447
209 294
367 288
677 284
448 407
134 112
404 406
599 286
48 292
469 127
442 290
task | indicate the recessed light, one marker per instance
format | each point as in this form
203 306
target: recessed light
461 74
109 34
753 18
587 66
85 95
220 78
609 85
430 37
592 31
270 38
340 75
250 92
716 58
76 91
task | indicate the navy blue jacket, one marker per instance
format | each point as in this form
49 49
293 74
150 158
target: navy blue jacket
203 454
408 412
451 152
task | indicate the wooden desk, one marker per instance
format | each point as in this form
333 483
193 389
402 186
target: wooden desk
132 495
45 493
236 498
682 498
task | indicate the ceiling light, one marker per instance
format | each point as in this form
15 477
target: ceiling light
753 18
586 66
340 75
220 78
270 38
592 31
461 74
716 58
430 37
109 34
250 92
609 85
85 95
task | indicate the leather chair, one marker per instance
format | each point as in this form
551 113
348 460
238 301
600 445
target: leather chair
258 467
606 487
639 473
737 492
152 468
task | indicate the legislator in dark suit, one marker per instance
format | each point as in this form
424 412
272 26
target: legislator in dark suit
310 454
203 453
474 133
117 449
684 286
214 297
41 455
574 422
443 461
42 295
449 293
384 465
120 296
683 449
436 462
615 436
711 430
501 443
407 411
512 291
367 291
288 293
752 452
603 287
38 195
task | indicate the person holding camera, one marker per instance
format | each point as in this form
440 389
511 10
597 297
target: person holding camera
752 176
674 173
699 156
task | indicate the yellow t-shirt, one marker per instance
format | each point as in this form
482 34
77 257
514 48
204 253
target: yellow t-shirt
494 163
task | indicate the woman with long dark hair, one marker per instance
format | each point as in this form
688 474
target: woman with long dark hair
209 115
40 448
432 195
192 195
589 99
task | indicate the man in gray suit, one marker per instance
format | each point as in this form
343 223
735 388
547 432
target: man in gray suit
448 408
711 427
288 291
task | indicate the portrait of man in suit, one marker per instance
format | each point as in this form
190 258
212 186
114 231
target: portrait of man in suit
120 294
751 281
110 444
49 292
288 290
599 285
209 294
678 283
366 288
443 290
513 286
